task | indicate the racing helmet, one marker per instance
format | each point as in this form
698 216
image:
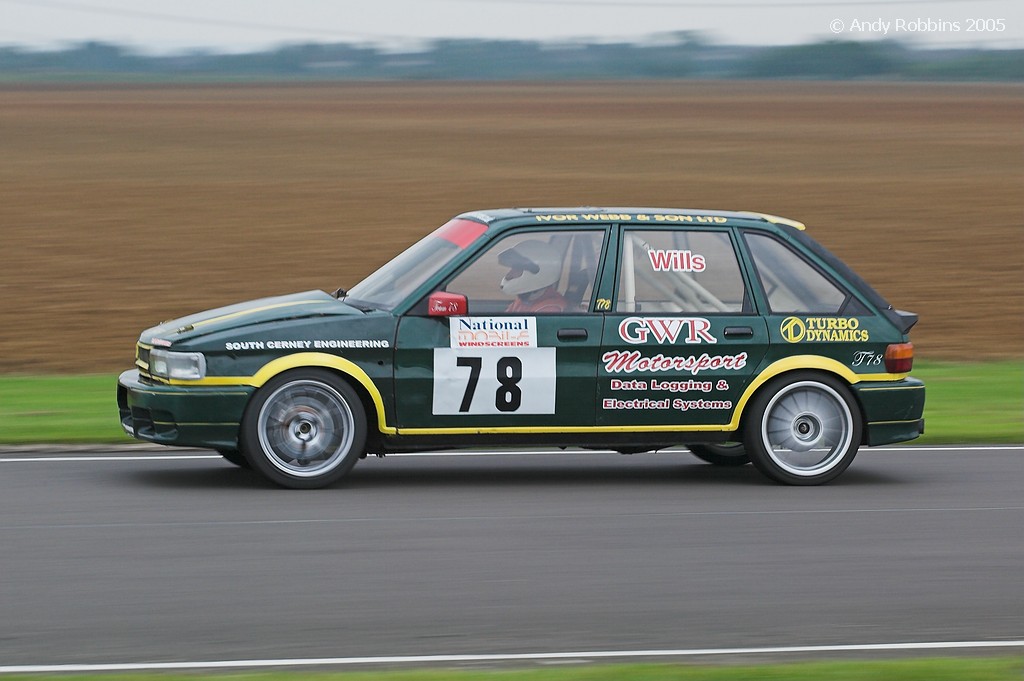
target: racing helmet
533 265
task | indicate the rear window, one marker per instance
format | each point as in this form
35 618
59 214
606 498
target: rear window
791 283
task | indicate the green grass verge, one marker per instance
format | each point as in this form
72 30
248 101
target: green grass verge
981 402
951 669
39 409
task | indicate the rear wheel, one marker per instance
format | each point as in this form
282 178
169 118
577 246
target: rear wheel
304 429
803 429
721 454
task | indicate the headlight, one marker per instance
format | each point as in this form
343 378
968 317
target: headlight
187 366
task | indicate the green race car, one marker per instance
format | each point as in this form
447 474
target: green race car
630 329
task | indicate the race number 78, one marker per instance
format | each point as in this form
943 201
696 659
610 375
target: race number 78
494 381
509 396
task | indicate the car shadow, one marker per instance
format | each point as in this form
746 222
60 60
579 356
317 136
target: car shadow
216 477
547 474
431 472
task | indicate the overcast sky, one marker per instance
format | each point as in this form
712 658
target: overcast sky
168 26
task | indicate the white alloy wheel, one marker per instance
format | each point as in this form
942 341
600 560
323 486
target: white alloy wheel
304 429
803 429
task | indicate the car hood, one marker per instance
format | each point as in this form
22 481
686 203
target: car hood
293 306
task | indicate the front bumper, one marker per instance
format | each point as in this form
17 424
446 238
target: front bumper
893 410
186 416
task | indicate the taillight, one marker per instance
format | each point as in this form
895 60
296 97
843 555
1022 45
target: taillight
899 358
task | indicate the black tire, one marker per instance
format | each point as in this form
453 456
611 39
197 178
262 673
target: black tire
721 454
304 429
234 456
803 428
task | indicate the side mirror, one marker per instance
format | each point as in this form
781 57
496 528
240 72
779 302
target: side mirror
444 304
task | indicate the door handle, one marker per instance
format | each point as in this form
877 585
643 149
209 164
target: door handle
738 332
572 334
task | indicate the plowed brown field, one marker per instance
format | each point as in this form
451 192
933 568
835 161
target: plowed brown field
122 207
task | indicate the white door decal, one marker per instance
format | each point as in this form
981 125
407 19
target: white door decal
494 381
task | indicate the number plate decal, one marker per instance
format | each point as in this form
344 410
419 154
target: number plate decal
494 381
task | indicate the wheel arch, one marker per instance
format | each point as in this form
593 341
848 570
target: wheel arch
347 370
795 364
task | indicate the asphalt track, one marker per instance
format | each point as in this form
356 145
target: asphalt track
125 557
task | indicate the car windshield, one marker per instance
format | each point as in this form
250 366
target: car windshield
399 278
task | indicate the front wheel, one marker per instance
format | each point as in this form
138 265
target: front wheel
304 429
721 454
803 429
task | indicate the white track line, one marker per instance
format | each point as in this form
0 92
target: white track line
866 450
134 457
462 453
510 657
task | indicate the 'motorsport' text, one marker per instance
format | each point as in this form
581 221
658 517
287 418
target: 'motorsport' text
630 361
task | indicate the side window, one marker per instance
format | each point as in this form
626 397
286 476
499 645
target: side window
679 271
790 283
533 272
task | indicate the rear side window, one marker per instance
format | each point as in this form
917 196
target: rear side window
792 284
679 271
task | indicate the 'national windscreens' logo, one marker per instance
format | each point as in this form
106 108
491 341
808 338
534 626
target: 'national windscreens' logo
493 332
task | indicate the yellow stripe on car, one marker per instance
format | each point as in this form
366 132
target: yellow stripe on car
323 360
800 362
302 360
254 310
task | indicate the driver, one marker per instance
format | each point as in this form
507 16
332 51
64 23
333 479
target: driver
534 269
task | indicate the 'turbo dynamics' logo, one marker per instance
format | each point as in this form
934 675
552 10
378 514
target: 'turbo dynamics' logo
793 329
823 330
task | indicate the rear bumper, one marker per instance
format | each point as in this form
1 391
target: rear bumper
186 416
893 411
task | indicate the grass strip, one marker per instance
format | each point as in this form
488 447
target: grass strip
59 409
931 669
977 402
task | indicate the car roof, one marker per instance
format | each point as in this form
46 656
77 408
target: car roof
507 217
